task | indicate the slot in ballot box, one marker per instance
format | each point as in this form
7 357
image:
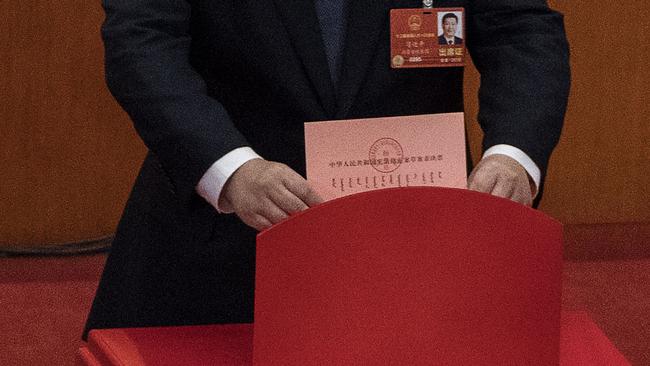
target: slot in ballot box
405 276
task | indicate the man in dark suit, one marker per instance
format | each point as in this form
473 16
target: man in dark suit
219 91
449 25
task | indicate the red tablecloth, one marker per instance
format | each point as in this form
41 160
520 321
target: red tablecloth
581 343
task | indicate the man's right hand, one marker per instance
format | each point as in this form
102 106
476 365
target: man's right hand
263 193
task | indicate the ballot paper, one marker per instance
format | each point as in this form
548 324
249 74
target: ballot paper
351 156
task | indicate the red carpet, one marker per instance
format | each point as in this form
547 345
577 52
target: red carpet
617 296
44 304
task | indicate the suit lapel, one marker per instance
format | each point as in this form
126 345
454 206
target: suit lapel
301 22
365 21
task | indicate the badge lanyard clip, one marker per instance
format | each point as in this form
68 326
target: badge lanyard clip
427 4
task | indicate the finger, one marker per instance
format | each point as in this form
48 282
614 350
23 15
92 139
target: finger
480 181
301 189
271 211
311 198
262 223
503 188
256 221
287 201
523 195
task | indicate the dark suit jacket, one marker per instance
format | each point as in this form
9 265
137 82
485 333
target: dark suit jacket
442 40
202 77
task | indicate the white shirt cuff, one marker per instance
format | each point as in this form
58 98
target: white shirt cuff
522 158
213 181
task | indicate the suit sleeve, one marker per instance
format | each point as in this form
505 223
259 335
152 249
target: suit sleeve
520 50
148 71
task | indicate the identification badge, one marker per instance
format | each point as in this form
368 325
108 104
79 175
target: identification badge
427 37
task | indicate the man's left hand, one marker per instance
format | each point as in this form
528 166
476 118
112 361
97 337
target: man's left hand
502 176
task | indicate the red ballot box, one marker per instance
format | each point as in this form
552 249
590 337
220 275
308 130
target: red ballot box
411 276
408 276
